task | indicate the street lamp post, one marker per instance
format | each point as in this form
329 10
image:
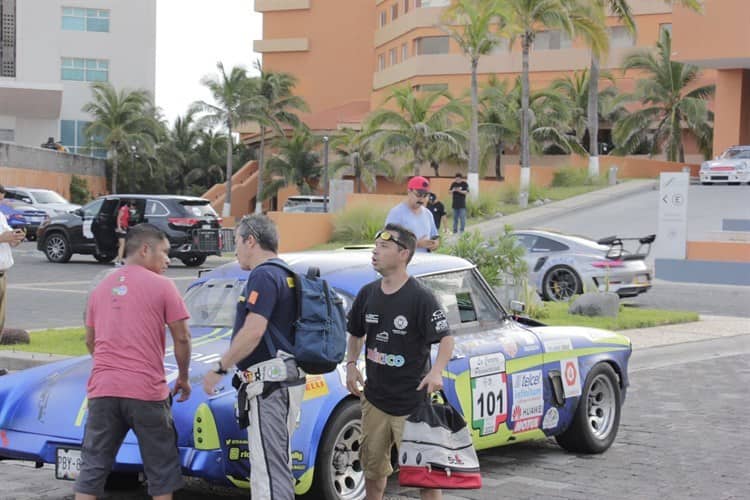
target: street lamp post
325 172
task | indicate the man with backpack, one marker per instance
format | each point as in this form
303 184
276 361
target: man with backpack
270 385
397 319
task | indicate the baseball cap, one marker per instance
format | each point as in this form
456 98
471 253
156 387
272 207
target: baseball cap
418 183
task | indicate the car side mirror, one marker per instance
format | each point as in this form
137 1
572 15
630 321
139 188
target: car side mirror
78 212
517 307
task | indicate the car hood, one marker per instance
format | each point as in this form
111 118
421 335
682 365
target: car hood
728 162
50 400
60 207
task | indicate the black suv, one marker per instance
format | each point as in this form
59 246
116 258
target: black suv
192 226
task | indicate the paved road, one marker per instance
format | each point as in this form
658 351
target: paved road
678 439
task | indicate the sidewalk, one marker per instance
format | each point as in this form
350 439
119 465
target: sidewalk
531 216
708 327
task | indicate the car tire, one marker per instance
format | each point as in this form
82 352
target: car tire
104 257
338 471
597 418
561 283
193 260
57 248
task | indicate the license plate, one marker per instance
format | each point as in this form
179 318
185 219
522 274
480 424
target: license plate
206 226
35 219
68 463
641 278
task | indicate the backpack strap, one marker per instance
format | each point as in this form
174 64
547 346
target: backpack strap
272 329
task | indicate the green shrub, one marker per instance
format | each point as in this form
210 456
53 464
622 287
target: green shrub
485 204
358 224
498 259
79 190
536 193
509 195
571 177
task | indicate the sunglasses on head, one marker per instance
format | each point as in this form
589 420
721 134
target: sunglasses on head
388 236
420 193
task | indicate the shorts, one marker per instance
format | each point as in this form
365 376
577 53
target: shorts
109 420
121 234
380 431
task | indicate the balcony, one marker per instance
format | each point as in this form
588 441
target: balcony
30 100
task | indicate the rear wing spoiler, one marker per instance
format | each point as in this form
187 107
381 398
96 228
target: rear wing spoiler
617 251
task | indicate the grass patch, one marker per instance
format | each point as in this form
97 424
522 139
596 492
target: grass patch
556 314
561 193
359 223
65 341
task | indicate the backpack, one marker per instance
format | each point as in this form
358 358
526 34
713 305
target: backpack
320 327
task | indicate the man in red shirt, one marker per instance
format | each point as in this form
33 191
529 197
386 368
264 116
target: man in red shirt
123 223
127 389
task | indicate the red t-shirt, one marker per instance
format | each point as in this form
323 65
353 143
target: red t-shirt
128 311
123 217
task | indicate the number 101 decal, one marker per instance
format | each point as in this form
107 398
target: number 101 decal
488 393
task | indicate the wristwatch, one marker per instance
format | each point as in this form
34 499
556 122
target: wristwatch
220 369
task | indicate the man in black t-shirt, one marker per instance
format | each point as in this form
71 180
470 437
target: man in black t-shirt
436 207
459 188
265 311
397 319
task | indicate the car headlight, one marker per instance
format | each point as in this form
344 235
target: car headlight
704 166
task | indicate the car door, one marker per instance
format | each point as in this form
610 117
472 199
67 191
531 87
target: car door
103 226
80 232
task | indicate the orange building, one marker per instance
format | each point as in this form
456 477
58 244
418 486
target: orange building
346 53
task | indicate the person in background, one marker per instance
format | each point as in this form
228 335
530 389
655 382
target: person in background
123 223
414 216
459 188
8 238
437 208
50 144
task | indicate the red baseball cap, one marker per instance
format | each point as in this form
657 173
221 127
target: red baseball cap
418 183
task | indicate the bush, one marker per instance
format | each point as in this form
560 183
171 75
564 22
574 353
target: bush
571 177
485 204
359 224
79 190
509 195
537 193
499 259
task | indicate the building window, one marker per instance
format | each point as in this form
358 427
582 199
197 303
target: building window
75 19
552 40
620 36
431 87
393 56
381 62
406 6
433 3
665 27
7 135
404 52
431 45
383 19
85 70
394 12
73 137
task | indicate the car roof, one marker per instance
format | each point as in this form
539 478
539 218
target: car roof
569 238
155 197
347 270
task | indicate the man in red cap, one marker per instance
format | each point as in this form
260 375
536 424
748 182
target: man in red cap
414 216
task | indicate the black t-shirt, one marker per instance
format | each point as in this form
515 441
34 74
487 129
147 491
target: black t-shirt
399 330
269 291
438 210
459 200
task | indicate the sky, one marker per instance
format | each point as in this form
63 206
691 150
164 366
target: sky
191 37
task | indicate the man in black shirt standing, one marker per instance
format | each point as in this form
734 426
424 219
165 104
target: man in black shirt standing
437 208
459 188
397 319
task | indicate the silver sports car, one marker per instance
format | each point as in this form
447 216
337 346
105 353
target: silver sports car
561 265
732 167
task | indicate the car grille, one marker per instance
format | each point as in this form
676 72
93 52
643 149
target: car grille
719 177
207 240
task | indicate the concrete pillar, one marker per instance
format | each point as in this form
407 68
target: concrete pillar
732 109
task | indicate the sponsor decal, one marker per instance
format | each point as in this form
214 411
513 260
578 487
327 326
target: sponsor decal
509 346
438 315
525 425
551 419
558 345
400 322
486 364
253 298
315 387
382 337
455 459
528 397
381 358
441 325
571 377
489 402
298 456
236 454
372 318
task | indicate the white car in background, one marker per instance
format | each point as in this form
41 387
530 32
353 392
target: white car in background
561 265
43 199
732 167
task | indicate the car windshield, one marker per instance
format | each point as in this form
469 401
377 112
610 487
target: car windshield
48 197
736 154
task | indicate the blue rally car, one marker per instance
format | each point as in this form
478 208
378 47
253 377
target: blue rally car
512 378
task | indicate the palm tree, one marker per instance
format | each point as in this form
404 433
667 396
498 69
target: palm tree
295 163
525 18
277 109
417 124
120 119
669 107
235 97
355 151
469 23
210 154
498 121
178 152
